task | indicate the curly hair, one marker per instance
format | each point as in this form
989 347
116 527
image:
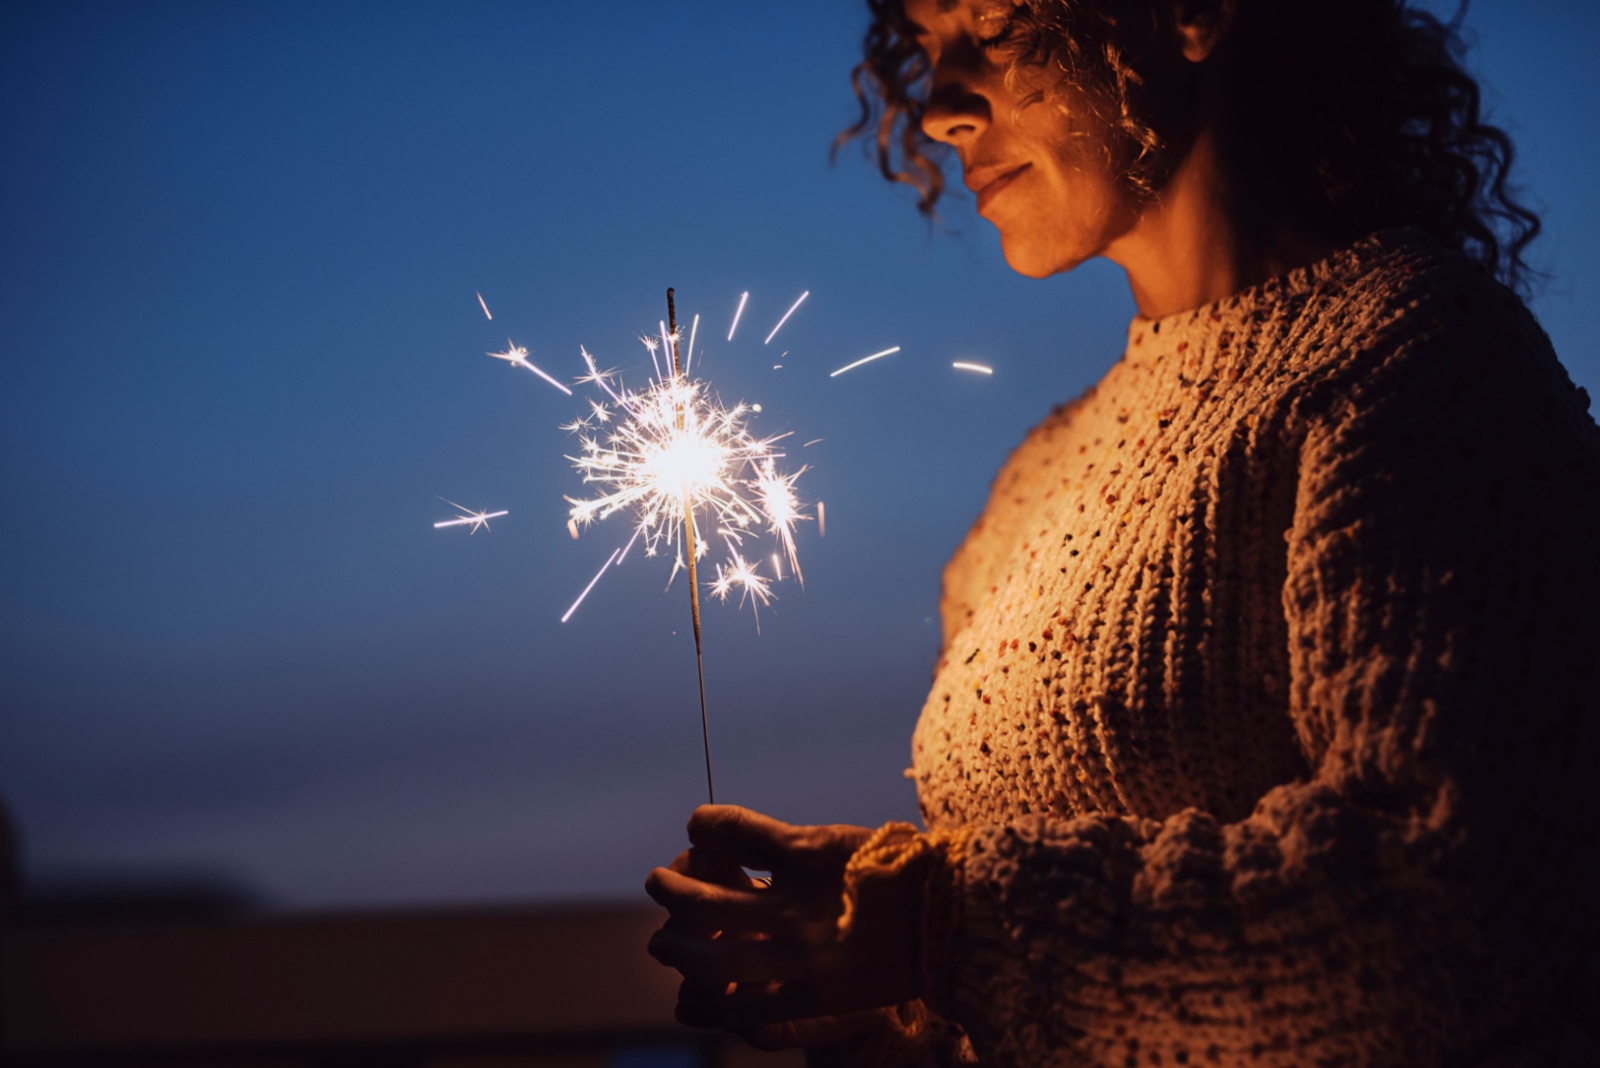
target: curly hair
1337 117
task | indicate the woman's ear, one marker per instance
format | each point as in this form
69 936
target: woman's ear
1200 26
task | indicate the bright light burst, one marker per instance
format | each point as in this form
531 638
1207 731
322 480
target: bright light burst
673 452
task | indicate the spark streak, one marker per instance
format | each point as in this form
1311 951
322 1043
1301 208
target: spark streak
688 357
962 365
738 312
485 307
517 356
589 587
786 315
468 517
550 380
865 359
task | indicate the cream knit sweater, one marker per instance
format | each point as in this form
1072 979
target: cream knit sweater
1269 694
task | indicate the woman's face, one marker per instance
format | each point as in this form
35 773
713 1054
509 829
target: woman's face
1042 174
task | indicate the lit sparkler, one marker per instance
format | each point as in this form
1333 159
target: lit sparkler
675 458
682 465
671 454
468 517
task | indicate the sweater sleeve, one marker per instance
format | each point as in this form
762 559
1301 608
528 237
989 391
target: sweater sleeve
1419 894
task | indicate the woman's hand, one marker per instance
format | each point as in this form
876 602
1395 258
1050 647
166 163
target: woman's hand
770 961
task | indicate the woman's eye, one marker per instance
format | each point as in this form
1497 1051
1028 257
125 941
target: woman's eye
996 29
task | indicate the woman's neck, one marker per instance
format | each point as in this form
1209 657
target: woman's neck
1192 246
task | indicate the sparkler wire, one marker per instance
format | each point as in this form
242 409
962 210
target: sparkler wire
689 552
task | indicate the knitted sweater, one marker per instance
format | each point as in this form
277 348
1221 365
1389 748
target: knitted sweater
1269 696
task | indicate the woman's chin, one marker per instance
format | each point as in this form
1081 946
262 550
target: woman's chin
1031 259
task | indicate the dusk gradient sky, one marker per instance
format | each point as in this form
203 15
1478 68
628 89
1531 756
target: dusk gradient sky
243 360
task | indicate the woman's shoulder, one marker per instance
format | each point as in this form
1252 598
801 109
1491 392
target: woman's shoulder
1404 312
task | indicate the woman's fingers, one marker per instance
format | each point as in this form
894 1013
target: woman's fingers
759 841
731 960
701 905
710 866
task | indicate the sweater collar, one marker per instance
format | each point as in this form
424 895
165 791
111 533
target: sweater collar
1341 264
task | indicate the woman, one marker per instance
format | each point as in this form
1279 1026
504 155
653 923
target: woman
1268 697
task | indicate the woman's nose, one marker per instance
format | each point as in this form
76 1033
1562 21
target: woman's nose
955 113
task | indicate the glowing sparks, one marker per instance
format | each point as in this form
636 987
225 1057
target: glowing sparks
786 315
782 510
688 357
672 452
484 306
865 359
517 356
738 312
568 614
822 521
741 575
468 518
548 379
963 365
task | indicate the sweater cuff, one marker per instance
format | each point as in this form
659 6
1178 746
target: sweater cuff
937 860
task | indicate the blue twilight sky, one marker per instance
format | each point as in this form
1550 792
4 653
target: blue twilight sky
243 360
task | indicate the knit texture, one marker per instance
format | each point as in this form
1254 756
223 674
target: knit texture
1269 696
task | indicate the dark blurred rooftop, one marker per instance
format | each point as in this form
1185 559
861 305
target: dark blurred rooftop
190 976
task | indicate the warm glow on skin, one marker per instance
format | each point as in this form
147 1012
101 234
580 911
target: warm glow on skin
1043 178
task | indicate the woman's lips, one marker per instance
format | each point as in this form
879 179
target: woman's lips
992 188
